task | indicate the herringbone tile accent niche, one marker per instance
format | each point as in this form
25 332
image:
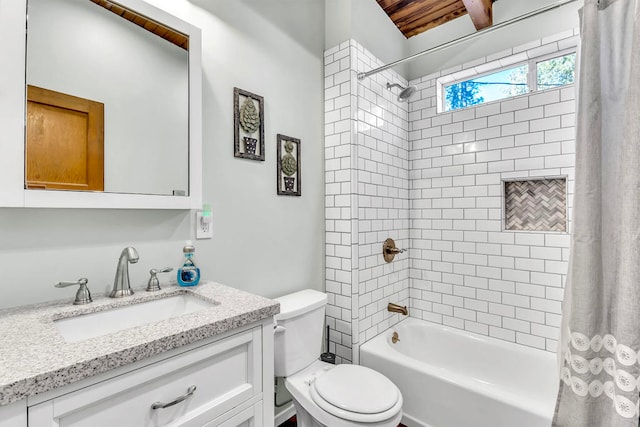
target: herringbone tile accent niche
536 205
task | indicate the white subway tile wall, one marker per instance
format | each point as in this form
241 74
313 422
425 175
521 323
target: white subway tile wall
367 198
466 270
340 197
383 196
434 183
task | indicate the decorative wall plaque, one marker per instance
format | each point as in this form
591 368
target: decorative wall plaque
289 177
248 115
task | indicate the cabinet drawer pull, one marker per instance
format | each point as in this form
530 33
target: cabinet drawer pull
160 405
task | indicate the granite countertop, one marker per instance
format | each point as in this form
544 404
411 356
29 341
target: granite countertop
34 357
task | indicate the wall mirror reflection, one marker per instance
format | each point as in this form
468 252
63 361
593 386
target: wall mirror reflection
107 100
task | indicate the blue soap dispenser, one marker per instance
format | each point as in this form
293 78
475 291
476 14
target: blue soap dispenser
188 272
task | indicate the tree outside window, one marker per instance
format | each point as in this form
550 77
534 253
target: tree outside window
463 94
556 72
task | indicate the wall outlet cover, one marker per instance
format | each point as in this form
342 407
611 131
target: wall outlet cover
204 226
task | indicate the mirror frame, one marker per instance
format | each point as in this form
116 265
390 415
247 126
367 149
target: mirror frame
13 18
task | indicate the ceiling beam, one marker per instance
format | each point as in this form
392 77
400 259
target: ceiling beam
481 12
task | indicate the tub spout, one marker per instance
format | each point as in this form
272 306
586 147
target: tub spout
395 308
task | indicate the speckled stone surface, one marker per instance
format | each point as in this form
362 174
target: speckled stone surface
34 357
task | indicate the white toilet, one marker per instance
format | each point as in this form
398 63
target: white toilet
324 394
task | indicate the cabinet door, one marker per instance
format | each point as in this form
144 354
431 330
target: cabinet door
225 374
249 417
14 414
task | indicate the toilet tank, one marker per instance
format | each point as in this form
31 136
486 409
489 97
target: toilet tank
298 332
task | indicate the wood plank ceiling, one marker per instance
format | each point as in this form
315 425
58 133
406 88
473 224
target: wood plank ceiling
156 28
413 17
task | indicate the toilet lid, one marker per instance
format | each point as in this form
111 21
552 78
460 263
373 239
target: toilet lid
357 389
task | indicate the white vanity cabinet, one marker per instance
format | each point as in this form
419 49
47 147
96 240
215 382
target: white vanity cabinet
14 414
229 378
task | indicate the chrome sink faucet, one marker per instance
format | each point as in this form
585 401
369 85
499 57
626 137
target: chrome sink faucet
121 285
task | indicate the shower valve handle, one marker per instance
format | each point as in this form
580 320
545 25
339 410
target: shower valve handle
389 250
395 251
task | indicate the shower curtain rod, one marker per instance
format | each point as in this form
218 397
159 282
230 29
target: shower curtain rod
467 37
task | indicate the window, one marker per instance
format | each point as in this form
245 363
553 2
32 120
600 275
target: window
537 74
558 71
490 87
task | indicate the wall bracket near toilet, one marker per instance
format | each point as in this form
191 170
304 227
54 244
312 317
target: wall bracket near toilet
389 250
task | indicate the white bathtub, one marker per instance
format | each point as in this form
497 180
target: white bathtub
452 378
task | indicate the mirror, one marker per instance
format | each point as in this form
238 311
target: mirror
134 64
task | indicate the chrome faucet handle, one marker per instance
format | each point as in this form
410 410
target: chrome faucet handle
83 296
154 283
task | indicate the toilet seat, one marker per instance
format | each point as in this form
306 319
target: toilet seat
356 393
300 385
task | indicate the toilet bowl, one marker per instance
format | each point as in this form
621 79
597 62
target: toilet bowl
327 395
344 396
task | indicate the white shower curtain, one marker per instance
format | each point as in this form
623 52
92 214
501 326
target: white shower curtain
600 337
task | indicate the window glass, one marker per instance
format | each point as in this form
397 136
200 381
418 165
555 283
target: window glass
490 87
556 72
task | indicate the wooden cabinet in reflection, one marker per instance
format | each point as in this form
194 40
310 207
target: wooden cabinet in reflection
65 141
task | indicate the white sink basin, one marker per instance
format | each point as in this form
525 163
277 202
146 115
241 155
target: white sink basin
93 325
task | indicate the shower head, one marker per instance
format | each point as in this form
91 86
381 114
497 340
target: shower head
405 92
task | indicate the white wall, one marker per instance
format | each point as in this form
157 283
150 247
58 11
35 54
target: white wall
262 243
366 22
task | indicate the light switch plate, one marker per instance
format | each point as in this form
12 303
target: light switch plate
204 229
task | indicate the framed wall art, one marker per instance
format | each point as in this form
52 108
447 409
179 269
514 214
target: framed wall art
248 118
289 176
